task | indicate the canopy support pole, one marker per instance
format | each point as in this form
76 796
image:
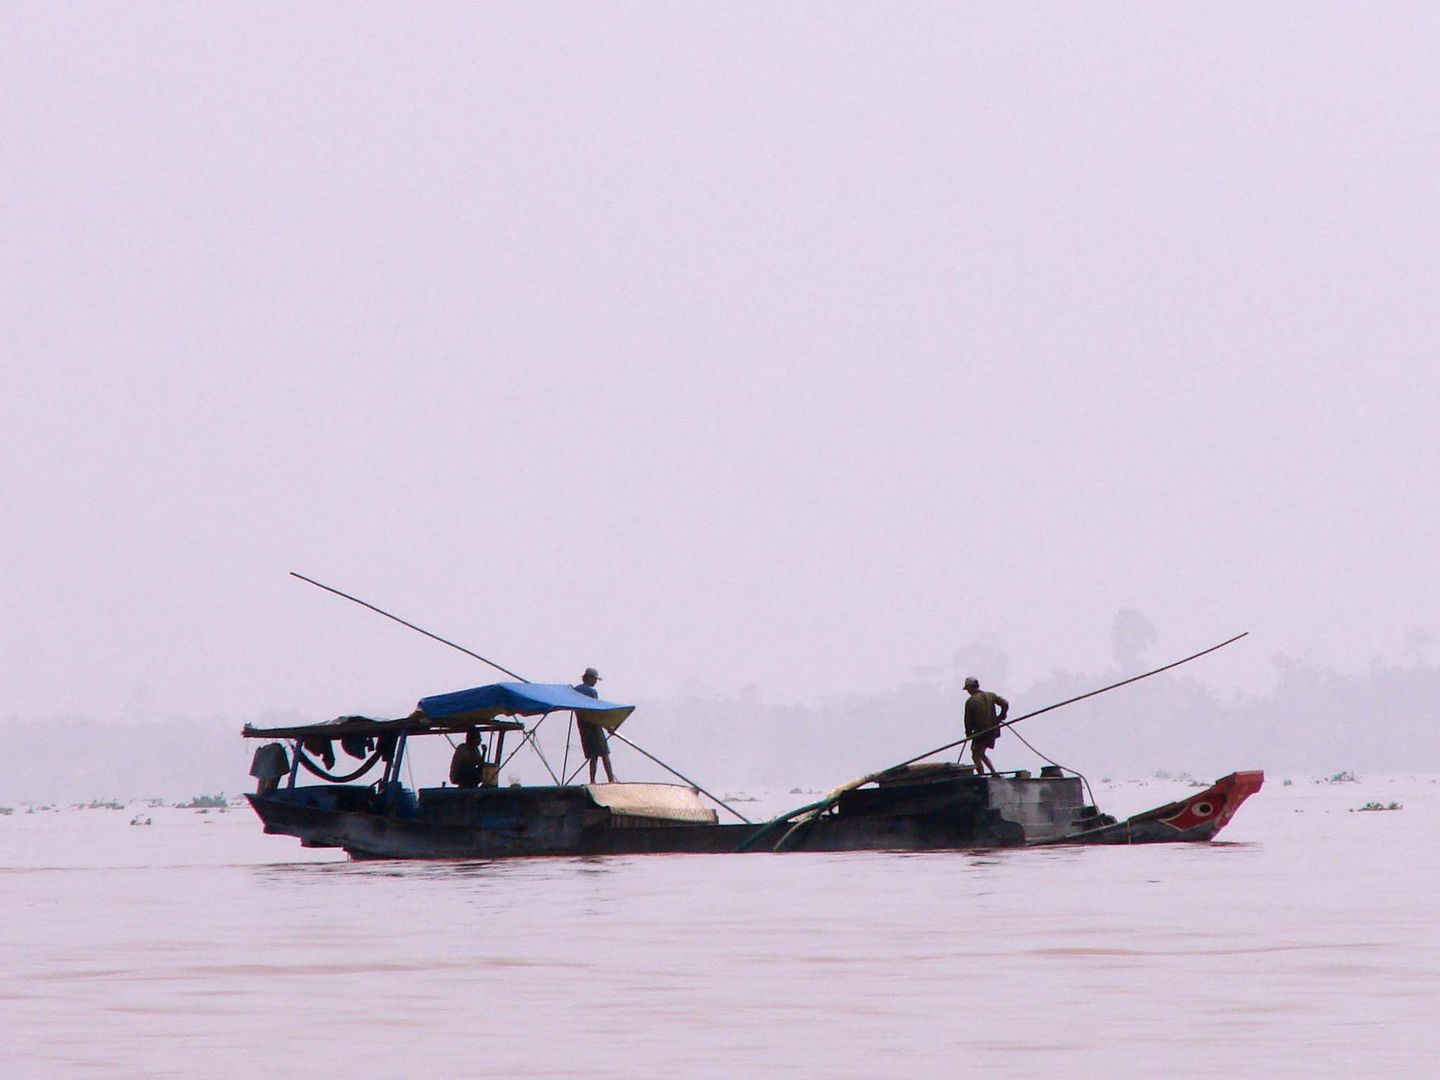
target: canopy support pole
565 761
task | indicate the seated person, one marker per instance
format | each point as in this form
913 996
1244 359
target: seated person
268 766
467 766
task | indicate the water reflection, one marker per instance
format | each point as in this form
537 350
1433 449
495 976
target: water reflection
1116 962
417 869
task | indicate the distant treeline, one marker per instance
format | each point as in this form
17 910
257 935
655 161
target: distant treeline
76 759
1315 721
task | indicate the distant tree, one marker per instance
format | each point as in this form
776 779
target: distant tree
983 659
1130 635
1417 644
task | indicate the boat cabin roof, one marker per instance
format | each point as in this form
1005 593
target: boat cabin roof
479 707
414 724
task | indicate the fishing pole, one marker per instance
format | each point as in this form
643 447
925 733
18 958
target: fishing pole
513 675
412 626
1067 701
808 813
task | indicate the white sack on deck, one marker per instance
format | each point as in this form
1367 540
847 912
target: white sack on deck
663 802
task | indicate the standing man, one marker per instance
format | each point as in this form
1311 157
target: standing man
592 735
984 713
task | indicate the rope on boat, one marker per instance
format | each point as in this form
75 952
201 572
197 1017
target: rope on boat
535 744
1089 793
565 761
319 771
805 816
524 738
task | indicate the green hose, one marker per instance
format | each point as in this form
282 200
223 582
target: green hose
784 819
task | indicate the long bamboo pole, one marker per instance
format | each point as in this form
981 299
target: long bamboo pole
513 675
1067 701
687 780
412 626
810 811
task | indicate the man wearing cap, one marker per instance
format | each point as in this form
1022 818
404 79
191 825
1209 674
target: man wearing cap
984 713
592 736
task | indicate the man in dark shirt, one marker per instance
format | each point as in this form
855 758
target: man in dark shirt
984 712
467 764
592 736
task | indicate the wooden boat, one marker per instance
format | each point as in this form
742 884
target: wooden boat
921 807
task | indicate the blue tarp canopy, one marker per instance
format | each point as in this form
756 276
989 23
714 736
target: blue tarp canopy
522 699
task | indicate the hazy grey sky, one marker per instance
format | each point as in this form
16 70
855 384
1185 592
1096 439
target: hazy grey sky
790 346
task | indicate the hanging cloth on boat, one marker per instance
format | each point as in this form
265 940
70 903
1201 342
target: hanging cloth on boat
323 748
270 762
357 746
334 778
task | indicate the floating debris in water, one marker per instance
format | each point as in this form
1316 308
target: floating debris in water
205 802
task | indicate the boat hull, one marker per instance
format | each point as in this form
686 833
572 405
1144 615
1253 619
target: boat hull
927 812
